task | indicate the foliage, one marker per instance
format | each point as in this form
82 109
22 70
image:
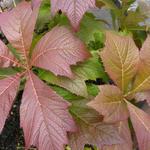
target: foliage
81 83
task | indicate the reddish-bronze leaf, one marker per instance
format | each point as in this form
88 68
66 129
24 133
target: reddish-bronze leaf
110 103
142 81
124 131
44 116
8 90
74 9
96 134
91 129
141 124
57 50
18 26
120 57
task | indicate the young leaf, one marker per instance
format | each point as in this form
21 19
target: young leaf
57 50
91 129
44 116
141 124
110 103
74 9
124 131
6 59
19 27
120 57
8 90
142 81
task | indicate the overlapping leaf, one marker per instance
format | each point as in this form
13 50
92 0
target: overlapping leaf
141 124
142 81
44 116
125 134
19 27
74 9
120 57
110 103
91 129
63 50
8 91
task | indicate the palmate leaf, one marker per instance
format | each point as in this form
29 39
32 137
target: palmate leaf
19 27
91 129
63 50
110 103
44 116
120 57
141 124
8 91
74 9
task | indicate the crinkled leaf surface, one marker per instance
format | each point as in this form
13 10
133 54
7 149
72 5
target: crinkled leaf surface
19 27
141 124
124 131
91 129
110 103
142 81
44 116
120 57
8 91
74 9
57 50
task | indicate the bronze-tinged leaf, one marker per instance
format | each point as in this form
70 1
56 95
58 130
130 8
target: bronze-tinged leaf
96 134
142 81
124 131
74 9
6 59
91 129
57 50
18 26
110 103
120 57
8 90
44 116
141 124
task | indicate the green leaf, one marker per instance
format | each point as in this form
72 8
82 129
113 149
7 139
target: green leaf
88 27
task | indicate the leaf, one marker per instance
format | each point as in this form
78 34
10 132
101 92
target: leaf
125 134
74 9
91 129
8 90
110 103
141 124
142 81
6 59
76 85
19 27
120 57
44 116
62 48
